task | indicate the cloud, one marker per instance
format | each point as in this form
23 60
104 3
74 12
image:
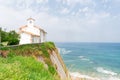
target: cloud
105 1
11 18
24 4
63 23
84 11
42 1
65 11
82 2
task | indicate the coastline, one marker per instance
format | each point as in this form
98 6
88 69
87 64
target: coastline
91 61
78 76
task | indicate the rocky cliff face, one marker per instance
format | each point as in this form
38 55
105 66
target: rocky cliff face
59 65
45 53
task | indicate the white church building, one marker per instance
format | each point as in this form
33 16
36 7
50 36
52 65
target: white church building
31 33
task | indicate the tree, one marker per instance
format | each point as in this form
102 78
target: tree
4 36
11 37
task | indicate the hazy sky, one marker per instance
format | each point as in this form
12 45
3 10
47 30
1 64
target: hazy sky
66 20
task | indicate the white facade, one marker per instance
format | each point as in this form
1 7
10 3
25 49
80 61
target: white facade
31 33
25 38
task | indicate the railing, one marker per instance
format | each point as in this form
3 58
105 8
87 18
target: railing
17 45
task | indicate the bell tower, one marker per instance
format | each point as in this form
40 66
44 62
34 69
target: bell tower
30 22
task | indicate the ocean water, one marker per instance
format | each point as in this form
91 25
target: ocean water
101 60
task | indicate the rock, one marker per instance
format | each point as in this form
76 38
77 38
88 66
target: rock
4 53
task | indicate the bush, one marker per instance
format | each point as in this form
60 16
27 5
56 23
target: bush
11 37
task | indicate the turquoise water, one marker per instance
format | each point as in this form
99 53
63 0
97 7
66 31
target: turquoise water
94 59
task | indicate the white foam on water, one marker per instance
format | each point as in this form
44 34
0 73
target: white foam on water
83 58
110 78
102 70
76 75
58 50
70 60
64 51
91 62
86 77
113 78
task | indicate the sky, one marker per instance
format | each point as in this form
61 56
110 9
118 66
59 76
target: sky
66 20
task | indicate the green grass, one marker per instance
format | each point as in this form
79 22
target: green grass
23 68
20 64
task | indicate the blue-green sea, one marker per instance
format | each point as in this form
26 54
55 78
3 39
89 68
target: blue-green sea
101 60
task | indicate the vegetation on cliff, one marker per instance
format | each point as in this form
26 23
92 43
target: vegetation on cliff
22 63
9 38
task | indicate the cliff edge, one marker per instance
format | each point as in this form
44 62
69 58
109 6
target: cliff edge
34 62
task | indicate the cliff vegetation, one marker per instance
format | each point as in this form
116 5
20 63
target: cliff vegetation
28 62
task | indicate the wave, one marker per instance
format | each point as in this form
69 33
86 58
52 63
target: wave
102 70
77 76
112 78
84 58
64 51
70 60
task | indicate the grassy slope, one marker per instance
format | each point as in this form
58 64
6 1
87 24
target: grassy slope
20 64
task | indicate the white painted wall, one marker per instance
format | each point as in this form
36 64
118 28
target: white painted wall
41 34
32 29
25 38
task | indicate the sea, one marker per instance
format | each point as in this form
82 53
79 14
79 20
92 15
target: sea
93 60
